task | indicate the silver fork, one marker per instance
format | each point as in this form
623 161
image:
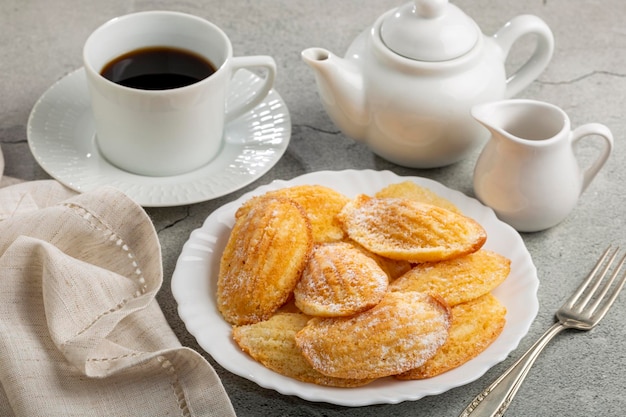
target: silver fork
582 311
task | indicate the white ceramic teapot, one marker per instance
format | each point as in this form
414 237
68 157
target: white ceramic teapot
407 84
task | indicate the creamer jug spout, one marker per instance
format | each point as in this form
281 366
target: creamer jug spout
494 116
340 86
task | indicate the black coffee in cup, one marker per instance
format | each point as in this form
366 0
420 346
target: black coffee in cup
158 68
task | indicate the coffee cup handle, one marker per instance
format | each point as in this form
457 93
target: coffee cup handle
593 129
258 95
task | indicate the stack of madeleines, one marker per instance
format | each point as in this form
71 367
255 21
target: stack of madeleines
340 292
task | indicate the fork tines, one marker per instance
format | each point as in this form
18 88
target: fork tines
595 288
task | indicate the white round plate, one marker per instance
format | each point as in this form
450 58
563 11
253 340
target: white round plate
61 136
195 280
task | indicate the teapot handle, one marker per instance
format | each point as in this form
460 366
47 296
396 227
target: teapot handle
538 61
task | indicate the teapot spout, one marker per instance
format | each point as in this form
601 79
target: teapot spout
340 86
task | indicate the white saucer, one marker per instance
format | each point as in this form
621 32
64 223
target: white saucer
61 136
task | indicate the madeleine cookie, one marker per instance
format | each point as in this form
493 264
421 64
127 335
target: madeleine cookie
321 205
272 343
263 260
339 280
404 229
412 191
475 325
401 333
457 280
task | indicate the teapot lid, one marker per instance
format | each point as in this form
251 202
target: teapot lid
429 30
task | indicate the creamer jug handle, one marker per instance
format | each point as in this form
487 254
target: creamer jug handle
599 130
538 61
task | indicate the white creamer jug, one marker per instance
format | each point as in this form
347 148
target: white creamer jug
528 172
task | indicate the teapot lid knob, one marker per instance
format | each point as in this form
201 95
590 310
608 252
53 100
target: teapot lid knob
429 30
430 9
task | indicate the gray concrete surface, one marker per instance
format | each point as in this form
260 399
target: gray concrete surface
578 374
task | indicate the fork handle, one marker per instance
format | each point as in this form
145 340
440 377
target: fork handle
494 401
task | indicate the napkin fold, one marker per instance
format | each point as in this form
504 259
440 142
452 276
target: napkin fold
81 333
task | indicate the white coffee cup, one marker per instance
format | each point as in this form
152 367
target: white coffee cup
172 131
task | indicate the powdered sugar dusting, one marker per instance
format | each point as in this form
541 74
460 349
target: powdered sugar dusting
400 333
339 280
409 230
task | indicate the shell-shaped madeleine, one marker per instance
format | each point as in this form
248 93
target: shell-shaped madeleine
413 191
457 280
321 205
263 260
399 333
339 280
475 325
272 342
408 230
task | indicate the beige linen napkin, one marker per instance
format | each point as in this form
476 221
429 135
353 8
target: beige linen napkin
81 333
